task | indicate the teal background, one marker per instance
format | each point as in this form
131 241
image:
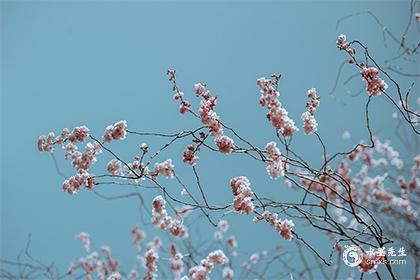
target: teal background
70 63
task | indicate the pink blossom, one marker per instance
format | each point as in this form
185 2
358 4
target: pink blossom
276 113
165 168
341 42
310 124
112 263
64 135
114 167
85 239
138 236
101 269
199 88
224 143
198 273
177 264
178 95
223 225
82 161
189 156
79 134
284 228
74 183
218 235
368 263
209 117
227 273
254 258
242 202
161 218
70 149
213 259
275 165
116 131
387 150
231 242
150 263
374 84
184 107
115 276
217 257
132 275
46 144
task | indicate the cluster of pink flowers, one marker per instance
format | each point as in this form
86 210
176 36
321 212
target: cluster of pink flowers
104 267
200 272
79 134
184 106
342 44
326 185
224 143
387 150
372 187
374 84
85 239
161 218
189 155
118 276
138 237
177 264
206 111
116 131
74 183
114 167
209 118
254 259
414 180
310 125
284 227
46 144
223 226
276 113
82 162
112 263
132 275
207 115
231 243
227 273
154 244
241 189
275 165
88 264
150 263
369 263
164 168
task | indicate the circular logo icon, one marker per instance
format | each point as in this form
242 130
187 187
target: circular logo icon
352 256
